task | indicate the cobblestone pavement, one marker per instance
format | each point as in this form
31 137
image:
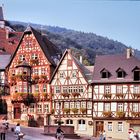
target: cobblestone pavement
36 134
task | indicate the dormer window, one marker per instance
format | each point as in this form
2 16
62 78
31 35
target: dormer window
136 73
120 73
105 73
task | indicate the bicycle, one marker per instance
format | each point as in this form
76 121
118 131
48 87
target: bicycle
60 136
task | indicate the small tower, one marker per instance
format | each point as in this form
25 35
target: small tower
2 21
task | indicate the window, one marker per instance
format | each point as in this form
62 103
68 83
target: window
81 125
65 90
120 107
107 107
43 71
44 88
36 88
120 73
46 108
83 104
69 63
32 108
81 89
77 104
24 109
25 89
136 73
136 89
119 89
57 89
135 107
61 74
66 105
34 56
109 126
73 74
107 89
120 126
35 72
21 57
89 105
39 108
71 104
69 121
105 74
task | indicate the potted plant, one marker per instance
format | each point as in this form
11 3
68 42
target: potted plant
66 110
107 113
83 110
119 95
135 114
74 110
34 61
108 95
65 95
75 94
120 114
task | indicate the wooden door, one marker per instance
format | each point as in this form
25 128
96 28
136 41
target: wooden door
17 112
99 127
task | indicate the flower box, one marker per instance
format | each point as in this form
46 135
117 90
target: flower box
66 110
120 114
83 110
75 94
108 95
74 110
136 95
135 114
65 95
107 113
119 95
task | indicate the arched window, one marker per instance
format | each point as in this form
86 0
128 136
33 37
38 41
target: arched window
81 124
69 121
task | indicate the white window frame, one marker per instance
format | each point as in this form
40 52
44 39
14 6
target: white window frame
120 126
110 126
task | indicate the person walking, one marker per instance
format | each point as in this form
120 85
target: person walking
101 135
104 135
2 131
17 131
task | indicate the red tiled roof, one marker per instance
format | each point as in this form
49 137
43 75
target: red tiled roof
9 44
111 63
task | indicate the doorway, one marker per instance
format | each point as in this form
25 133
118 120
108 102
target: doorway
99 127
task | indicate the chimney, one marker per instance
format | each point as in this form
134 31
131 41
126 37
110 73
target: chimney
81 59
129 53
7 34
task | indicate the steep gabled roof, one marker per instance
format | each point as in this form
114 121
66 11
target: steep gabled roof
112 63
47 47
1 14
87 74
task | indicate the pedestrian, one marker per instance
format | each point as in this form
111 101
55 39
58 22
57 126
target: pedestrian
17 131
2 131
101 135
59 133
104 135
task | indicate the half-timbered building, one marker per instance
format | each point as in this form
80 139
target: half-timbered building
29 71
116 94
72 95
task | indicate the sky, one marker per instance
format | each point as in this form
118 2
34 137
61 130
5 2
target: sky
117 20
